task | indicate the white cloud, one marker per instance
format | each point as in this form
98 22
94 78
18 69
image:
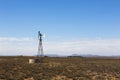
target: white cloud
15 39
95 46
28 46
17 46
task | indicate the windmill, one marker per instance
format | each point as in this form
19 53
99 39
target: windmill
40 51
40 46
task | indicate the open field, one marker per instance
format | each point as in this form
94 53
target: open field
18 68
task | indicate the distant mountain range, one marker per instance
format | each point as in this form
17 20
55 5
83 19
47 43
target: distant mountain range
82 55
73 55
90 55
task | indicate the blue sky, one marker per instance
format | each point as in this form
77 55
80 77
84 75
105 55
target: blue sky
61 21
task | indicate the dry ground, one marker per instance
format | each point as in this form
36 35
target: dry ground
18 68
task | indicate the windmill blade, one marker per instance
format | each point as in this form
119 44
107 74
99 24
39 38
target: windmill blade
44 35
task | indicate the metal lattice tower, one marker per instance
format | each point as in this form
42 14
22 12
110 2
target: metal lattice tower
40 47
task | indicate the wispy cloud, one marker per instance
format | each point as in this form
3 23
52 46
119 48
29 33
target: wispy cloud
28 46
15 39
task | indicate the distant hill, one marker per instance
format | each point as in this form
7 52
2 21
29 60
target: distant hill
90 55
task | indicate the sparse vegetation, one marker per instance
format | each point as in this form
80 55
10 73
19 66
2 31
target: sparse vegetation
18 68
